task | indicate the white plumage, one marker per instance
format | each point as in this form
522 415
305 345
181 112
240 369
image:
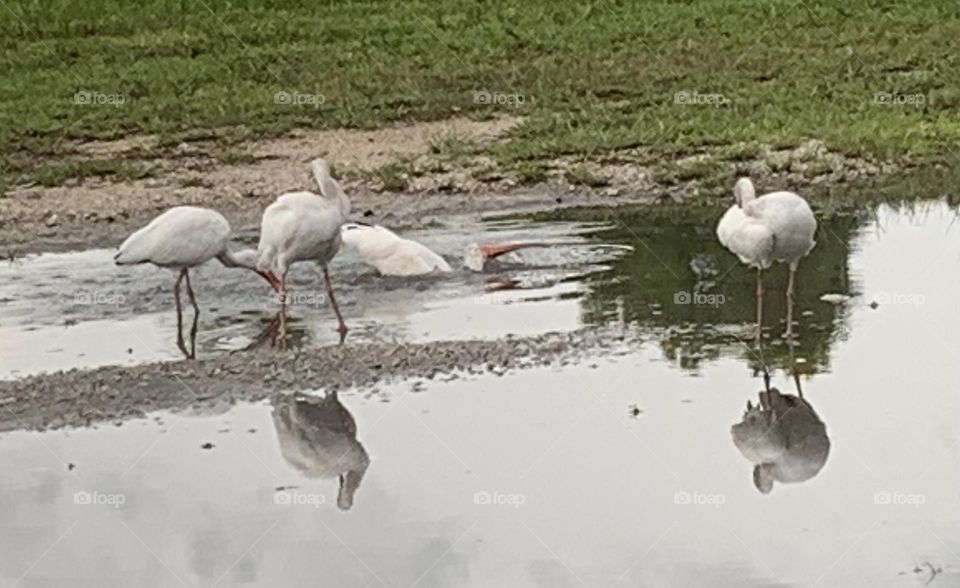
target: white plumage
303 226
391 254
776 227
181 238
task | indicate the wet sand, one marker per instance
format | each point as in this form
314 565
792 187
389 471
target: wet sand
79 398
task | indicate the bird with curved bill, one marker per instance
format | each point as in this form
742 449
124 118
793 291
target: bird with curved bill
304 226
183 238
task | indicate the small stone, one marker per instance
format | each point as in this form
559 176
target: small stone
52 220
207 445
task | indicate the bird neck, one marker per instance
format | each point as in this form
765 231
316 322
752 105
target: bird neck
329 187
246 259
744 193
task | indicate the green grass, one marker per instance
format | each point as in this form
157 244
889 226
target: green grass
54 173
593 78
394 176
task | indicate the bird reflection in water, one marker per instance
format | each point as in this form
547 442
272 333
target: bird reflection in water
272 334
783 437
318 437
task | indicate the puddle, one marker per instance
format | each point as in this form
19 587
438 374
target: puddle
80 310
538 478
615 471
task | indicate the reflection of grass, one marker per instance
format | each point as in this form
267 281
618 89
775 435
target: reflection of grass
669 241
595 77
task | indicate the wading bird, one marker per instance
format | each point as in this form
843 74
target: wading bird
391 254
179 239
775 227
303 226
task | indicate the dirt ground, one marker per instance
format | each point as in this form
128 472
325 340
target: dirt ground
99 212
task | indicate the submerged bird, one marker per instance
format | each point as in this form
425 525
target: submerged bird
303 226
775 227
318 437
389 253
179 239
477 255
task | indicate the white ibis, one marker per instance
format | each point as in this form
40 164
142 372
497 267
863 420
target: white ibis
181 238
391 254
774 227
304 226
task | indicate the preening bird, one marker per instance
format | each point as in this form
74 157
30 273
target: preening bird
391 254
775 227
182 238
303 226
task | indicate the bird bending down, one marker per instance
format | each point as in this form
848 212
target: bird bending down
389 253
303 226
775 227
179 239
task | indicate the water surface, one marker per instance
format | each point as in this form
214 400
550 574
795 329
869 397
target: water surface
619 470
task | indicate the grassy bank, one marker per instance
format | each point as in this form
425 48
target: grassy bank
869 77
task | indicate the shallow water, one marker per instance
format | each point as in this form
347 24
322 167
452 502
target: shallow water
616 471
59 311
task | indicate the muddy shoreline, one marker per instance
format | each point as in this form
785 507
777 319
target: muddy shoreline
421 185
397 211
86 397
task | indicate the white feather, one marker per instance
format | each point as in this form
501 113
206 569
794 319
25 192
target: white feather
774 227
303 226
182 237
391 254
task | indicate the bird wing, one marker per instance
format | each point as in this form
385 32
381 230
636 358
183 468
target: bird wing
419 259
183 236
391 254
789 217
754 245
749 239
298 226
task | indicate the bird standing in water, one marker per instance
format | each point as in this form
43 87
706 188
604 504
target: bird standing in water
304 226
774 227
181 238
